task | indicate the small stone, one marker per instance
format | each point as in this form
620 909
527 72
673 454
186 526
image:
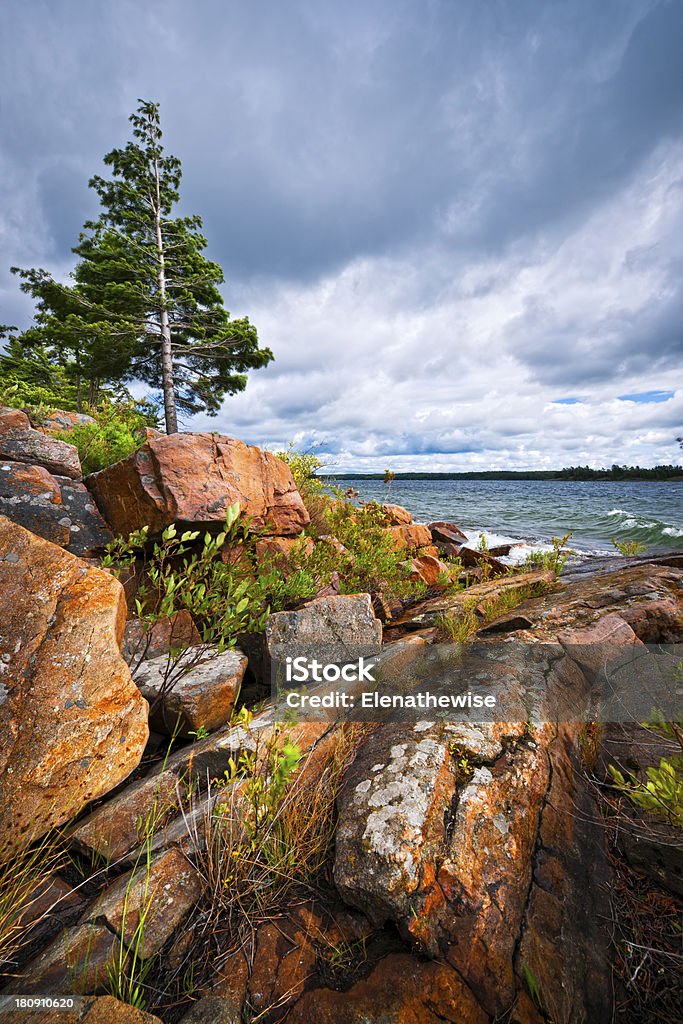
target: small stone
198 691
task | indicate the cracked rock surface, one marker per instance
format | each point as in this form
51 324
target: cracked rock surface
192 479
72 723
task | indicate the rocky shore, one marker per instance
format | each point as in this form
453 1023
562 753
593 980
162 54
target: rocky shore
468 869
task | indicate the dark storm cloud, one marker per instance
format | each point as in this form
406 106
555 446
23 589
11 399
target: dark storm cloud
311 133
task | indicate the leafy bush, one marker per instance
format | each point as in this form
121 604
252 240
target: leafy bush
663 792
374 563
223 598
356 553
316 495
629 548
304 466
556 559
119 431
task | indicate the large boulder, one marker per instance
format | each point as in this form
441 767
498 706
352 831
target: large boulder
72 723
410 536
483 843
23 444
193 479
447 533
13 418
438 831
396 515
54 507
344 620
428 569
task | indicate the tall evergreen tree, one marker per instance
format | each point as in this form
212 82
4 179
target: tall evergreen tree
70 331
145 303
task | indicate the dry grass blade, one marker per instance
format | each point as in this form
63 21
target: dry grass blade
24 877
260 845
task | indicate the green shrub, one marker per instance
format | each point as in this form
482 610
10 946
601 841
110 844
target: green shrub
554 560
119 431
223 598
663 792
366 563
629 548
317 496
304 466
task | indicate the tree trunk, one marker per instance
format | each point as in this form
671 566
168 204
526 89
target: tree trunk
167 366
166 351
93 392
79 397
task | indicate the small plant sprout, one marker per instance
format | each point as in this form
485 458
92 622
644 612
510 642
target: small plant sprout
662 793
629 548
555 559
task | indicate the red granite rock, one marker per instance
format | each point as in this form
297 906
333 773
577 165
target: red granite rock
193 479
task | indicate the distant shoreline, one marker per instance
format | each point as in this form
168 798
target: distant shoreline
670 473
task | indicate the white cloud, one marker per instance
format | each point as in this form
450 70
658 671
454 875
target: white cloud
462 364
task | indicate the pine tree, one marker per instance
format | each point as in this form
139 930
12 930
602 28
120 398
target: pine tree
69 331
32 376
145 303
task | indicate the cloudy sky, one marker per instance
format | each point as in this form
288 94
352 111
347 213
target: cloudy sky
457 223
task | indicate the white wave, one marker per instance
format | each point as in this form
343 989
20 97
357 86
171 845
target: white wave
493 540
671 531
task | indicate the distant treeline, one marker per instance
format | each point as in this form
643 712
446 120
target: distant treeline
570 473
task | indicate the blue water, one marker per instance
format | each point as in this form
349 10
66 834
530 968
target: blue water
593 511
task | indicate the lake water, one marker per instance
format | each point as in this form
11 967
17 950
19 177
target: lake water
594 511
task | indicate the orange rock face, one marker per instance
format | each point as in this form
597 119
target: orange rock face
428 569
194 478
13 418
400 990
72 723
414 536
397 515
